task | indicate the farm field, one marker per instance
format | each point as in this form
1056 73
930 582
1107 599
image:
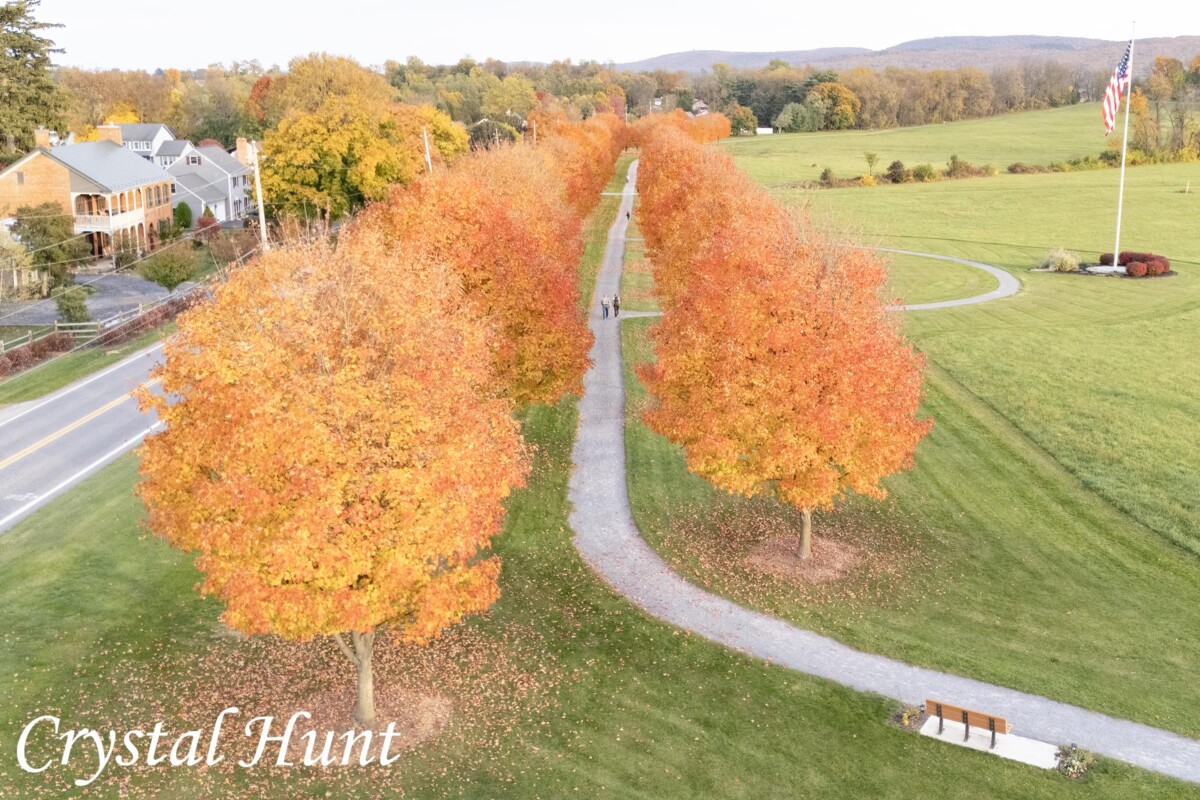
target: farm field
1031 137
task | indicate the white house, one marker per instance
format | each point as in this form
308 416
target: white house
144 138
208 177
171 151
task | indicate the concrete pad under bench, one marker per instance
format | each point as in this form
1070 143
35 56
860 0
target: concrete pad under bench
1008 745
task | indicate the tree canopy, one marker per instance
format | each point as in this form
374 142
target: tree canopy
29 97
377 506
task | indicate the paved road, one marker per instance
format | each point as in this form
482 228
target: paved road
49 445
609 541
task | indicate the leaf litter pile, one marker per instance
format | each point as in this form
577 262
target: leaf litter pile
453 700
864 554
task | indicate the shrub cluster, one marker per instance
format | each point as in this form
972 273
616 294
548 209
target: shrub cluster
1070 165
957 168
25 356
1137 264
898 173
1073 761
1141 269
1061 260
156 316
924 173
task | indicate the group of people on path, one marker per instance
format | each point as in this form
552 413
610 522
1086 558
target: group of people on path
615 302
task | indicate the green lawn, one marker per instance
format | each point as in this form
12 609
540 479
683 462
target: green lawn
1101 372
104 628
1031 137
927 280
595 231
637 282
70 367
990 560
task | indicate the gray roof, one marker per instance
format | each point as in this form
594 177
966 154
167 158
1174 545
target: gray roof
223 160
204 182
142 131
108 164
172 147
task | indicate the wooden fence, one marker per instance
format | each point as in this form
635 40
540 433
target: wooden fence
84 332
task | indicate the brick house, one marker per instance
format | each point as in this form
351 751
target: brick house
116 197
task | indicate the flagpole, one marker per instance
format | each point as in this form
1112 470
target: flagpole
1124 146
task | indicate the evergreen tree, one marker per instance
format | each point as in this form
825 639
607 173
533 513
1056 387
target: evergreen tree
28 95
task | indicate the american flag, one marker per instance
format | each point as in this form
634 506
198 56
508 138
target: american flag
1112 95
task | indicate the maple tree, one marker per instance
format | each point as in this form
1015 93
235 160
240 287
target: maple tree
779 370
501 218
336 451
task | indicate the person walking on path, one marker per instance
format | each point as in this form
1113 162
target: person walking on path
616 305
604 306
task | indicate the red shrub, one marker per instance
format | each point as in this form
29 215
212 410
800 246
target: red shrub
1130 256
60 342
1106 259
1163 263
1156 267
1136 270
21 358
5 364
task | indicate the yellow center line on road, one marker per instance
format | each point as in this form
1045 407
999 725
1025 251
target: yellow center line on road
61 432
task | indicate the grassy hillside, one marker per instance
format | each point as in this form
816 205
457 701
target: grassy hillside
1032 137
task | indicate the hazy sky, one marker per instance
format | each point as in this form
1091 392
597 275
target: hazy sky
134 34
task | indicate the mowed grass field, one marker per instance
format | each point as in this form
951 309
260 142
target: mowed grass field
1103 373
1048 537
1031 137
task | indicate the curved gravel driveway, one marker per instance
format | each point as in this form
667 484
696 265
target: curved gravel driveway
608 540
1009 285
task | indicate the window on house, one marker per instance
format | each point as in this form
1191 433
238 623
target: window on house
193 159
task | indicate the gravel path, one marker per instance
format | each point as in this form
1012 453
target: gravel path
1009 285
608 540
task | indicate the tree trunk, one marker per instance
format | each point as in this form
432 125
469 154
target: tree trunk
806 534
360 656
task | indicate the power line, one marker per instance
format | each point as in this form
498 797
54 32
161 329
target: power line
180 240
84 345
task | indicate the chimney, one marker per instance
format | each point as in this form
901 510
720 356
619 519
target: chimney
109 132
41 137
243 150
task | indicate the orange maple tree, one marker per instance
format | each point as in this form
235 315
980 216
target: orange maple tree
337 449
779 369
508 221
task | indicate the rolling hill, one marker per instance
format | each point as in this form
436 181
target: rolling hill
946 52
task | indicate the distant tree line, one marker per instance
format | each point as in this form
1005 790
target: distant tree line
1165 125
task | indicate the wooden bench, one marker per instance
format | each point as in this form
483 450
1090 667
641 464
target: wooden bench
945 711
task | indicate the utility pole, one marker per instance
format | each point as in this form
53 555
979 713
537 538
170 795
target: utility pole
262 213
428 160
535 133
